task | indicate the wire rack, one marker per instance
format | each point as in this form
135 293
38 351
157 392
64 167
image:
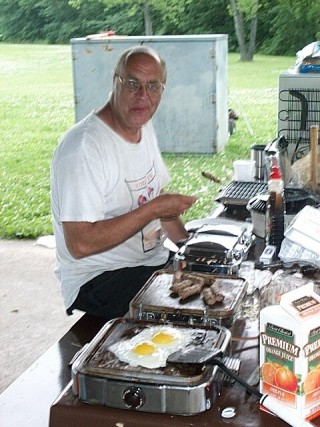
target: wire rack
300 110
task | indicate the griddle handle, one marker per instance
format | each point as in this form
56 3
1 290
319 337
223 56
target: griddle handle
238 379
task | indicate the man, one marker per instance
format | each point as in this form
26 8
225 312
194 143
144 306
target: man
109 211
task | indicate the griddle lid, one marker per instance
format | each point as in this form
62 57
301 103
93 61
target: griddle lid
221 230
258 203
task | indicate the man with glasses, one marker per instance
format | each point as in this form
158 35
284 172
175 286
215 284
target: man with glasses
109 211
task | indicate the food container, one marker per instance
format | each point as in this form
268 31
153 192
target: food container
258 155
289 352
244 170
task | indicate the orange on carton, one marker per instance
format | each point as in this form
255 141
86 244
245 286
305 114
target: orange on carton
290 351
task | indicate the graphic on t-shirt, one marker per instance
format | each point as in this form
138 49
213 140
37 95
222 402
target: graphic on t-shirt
142 191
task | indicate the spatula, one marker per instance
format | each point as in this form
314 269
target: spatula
213 357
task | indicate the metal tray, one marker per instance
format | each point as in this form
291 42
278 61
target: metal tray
99 377
155 301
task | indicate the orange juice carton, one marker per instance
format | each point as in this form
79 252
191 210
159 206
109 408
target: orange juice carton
290 351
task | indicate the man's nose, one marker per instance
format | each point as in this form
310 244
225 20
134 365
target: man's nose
142 90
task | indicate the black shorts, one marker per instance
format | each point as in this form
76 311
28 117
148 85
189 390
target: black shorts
109 294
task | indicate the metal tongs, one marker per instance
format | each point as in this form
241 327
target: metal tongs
199 355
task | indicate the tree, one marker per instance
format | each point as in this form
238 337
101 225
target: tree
154 12
292 25
54 22
245 16
20 20
278 31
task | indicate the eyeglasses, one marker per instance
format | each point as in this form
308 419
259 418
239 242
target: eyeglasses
154 89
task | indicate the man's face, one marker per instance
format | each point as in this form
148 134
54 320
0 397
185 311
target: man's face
135 109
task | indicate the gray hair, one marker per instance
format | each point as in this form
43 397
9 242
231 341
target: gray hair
136 50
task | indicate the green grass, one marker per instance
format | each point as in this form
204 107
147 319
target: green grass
36 108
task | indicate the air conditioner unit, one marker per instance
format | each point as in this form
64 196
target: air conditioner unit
298 109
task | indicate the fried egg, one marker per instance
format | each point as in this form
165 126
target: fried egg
151 347
165 337
140 353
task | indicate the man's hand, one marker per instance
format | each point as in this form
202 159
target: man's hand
169 206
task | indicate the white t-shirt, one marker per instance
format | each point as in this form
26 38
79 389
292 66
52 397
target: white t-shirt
96 175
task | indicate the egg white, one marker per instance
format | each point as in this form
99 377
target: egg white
125 352
177 339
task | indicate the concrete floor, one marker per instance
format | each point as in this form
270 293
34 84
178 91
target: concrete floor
32 315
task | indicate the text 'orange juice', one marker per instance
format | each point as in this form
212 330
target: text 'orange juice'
290 351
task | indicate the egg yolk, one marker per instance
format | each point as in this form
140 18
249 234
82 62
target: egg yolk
162 338
144 349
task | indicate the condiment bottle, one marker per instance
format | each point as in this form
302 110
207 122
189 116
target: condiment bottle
275 208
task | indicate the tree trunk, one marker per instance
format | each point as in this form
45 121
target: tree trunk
147 19
239 28
253 33
246 47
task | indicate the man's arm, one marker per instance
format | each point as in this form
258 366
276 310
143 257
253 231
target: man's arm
85 238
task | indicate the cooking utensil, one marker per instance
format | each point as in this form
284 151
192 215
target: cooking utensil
198 355
314 157
156 302
169 244
237 193
211 177
100 377
203 356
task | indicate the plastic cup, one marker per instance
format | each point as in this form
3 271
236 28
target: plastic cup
244 170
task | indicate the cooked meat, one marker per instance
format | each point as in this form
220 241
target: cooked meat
189 284
216 290
180 276
178 286
190 290
210 297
